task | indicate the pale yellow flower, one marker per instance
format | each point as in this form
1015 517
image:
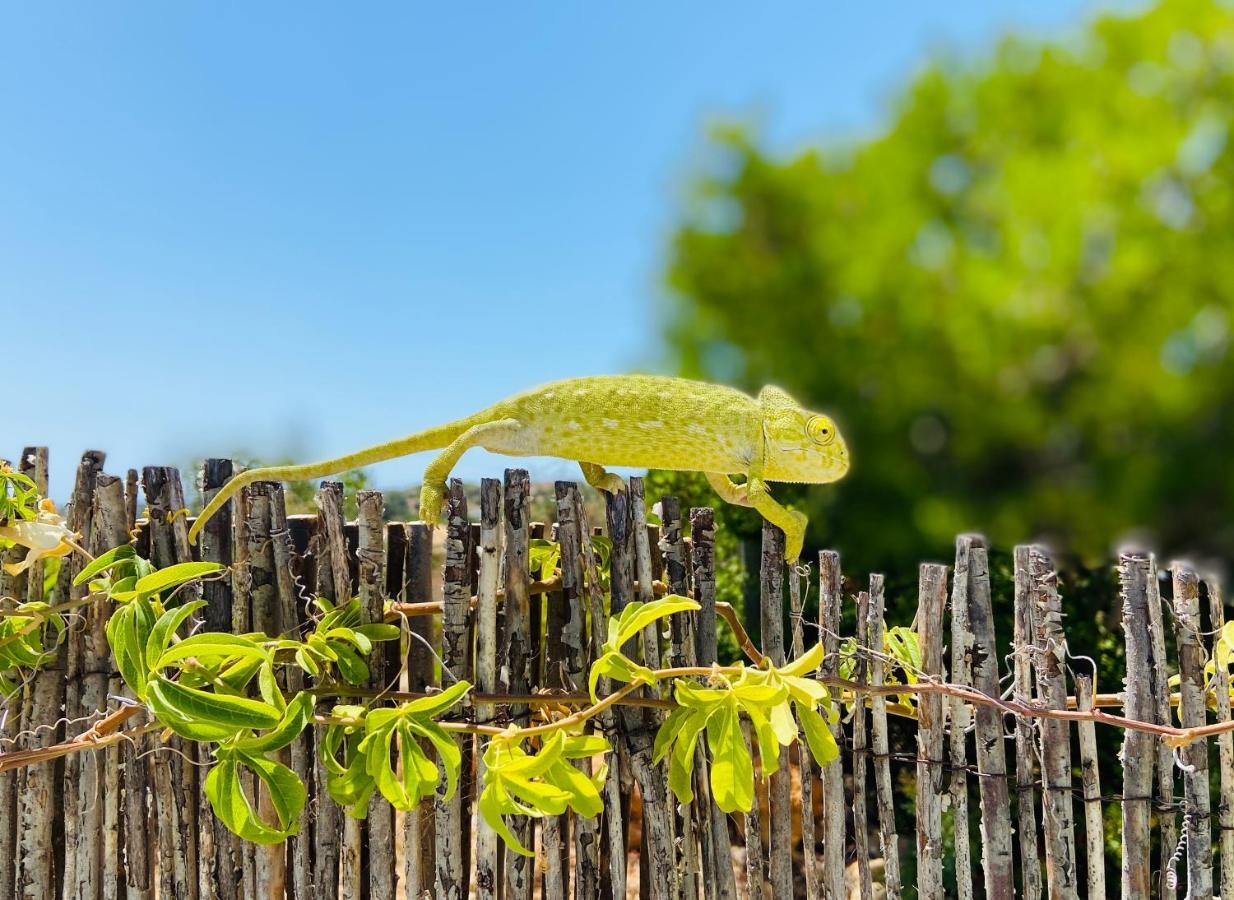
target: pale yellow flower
44 536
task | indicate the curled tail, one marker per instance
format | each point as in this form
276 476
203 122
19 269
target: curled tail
431 439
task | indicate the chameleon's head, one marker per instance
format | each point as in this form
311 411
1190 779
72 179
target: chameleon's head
802 446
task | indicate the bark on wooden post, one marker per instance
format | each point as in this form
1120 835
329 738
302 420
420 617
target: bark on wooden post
1158 673
452 876
1058 814
371 556
1225 742
515 673
959 717
756 859
1192 705
932 597
888 839
780 808
809 841
639 731
419 842
175 779
719 881
861 835
1090 776
1025 728
996 856
13 590
333 582
1135 575
487 872
830 602
555 830
577 652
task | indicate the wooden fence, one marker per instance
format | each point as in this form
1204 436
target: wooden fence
970 811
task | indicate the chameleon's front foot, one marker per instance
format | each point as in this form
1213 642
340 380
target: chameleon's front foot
432 497
794 535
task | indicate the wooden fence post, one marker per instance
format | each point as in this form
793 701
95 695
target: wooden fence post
1091 778
861 836
1158 674
1057 807
780 806
555 830
959 716
1135 575
1025 728
419 830
931 598
888 839
830 605
452 875
487 872
1225 742
996 856
1192 714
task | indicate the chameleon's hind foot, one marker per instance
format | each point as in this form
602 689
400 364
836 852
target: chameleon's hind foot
432 497
602 480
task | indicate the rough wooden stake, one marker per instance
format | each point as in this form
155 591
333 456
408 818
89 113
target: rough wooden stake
1090 776
371 557
1192 714
1058 814
780 840
830 604
487 880
452 876
555 830
333 581
1225 742
888 839
932 597
861 836
996 854
959 718
1025 729
1158 672
756 860
419 841
719 880
1135 575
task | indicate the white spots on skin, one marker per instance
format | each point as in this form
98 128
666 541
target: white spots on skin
654 423
573 426
581 392
695 428
609 423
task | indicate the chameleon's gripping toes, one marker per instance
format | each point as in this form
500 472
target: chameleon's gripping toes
622 420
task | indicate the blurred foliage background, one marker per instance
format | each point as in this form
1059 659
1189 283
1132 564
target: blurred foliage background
1016 299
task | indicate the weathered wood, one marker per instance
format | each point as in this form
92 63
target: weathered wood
1025 729
889 841
419 841
555 830
657 855
1158 674
861 835
1135 575
780 810
830 601
681 653
574 638
515 673
1090 777
378 840
1225 742
487 873
174 776
718 878
1192 713
332 581
959 718
931 598
1058 815
756 860
996 854
452 881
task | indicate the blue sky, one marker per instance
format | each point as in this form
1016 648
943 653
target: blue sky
305 228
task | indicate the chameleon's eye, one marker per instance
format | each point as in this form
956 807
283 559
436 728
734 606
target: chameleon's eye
821 430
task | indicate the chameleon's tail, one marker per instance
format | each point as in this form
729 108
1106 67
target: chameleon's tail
432 439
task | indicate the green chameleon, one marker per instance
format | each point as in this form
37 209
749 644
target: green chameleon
645 421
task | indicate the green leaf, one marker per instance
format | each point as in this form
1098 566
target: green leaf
818 736
222 710
637 616
804 664
296 718
166 626
435 704
209 645
106 561
226 795
379 632
174 576
732 770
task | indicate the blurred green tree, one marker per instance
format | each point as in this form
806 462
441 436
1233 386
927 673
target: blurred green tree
1017 300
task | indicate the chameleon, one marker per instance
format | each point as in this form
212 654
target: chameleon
643 421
